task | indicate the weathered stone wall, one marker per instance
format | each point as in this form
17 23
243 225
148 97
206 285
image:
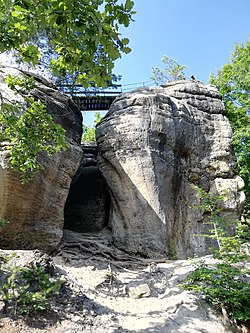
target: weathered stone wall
36 209
155 145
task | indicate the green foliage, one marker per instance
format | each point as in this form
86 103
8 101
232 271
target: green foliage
233 82
88 134
83 41
82 35
28 289
28 128
223 285
3 222
172 251
172 71
226 283
89 131
230 236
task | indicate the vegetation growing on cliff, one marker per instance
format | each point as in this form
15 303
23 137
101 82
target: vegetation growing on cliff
28 129
170 72
224 283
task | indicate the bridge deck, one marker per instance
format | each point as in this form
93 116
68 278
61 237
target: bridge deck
93 103
91 100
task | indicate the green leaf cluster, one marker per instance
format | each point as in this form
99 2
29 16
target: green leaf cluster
89 131
83 35
28 129
83 41
171 71
27 289
3 222
226 283
225 286
233 82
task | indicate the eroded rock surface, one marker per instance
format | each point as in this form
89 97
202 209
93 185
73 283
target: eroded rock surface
155 146
36 210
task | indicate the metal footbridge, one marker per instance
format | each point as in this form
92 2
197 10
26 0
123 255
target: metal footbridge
98 99
92 99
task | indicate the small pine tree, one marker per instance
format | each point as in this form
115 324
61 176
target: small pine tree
172 71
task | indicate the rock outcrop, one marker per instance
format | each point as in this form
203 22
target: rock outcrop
155 145
87 205
35 210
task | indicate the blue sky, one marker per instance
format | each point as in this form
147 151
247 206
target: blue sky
197 33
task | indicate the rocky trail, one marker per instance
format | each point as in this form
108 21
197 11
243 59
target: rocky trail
107 291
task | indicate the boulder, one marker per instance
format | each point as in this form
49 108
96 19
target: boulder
155 146
138 290
35 210
87 205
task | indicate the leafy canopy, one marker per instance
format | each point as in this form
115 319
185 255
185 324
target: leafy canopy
83 40
28 129
171 71
83 34
233 82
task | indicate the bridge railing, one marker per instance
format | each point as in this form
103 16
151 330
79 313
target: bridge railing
92 99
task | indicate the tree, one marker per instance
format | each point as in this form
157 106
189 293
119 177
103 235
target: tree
224 282
89 131
233 82
82 39
28 128
172 71
83 34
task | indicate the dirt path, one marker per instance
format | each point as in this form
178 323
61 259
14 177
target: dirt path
102 295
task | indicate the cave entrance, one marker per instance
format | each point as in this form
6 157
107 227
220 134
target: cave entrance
88 202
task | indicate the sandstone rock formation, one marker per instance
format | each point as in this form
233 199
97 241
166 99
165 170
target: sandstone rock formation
87 205
36 210
155 145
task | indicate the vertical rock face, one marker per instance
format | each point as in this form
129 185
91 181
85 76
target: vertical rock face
87 205
155 145
36 210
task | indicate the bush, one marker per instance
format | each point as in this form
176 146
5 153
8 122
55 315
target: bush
226 283
27 289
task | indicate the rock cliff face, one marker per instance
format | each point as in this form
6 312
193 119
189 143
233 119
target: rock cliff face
155 145
36 210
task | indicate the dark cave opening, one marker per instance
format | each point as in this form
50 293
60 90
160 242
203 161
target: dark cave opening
87 206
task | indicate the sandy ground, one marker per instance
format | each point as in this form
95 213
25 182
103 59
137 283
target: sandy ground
166 309
103 296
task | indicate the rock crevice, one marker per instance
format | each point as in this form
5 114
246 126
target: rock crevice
87 205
